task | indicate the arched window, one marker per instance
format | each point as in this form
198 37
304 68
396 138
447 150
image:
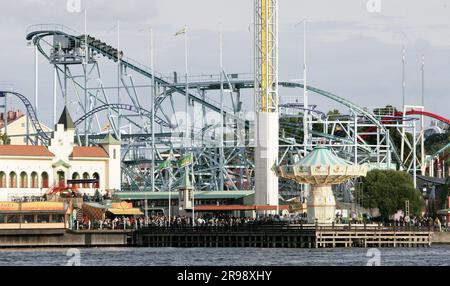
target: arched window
96 176
76 176
86 177
44 180
61 178
23 180
12 180
34 180
2 180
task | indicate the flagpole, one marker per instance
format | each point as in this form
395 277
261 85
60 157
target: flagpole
86 61
187 112
153 114
222 131
119 75
170 195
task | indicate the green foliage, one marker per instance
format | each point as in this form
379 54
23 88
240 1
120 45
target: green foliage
388 190
436 141
387 110
4 139
292 126
333 114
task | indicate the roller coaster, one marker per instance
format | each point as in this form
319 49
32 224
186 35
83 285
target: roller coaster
361 136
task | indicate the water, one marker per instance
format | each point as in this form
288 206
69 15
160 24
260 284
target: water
437 255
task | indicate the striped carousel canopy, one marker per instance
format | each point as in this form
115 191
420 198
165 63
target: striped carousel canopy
322 156
321 166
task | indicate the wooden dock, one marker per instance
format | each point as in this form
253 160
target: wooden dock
373 237
285 236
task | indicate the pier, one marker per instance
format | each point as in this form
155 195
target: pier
285 236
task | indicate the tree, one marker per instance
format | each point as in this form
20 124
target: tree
4 139
388 190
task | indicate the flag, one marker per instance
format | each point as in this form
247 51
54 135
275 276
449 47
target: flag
107 126
181 32
164 165
185 161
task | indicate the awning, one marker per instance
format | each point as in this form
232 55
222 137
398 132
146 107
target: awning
239 207
132 211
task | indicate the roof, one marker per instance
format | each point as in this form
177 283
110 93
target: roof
321 166
139 195
88 151
66 119
132 211
24 150
239 207
322 156
95 205
109 140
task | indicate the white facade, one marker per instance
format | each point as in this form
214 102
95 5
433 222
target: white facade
34 170
266 157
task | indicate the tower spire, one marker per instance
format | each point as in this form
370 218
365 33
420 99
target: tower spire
66 120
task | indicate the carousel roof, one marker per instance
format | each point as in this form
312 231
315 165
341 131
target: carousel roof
322 156
321 166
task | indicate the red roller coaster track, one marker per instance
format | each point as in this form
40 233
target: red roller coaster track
410 112
424 113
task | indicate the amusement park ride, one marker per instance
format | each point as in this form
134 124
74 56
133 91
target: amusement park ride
235 159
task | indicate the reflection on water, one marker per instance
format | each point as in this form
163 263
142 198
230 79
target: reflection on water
435 255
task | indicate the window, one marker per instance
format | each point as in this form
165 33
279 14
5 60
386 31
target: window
28 219
114 153
42 218
86 177
96 176
13 218
12 180
182 196
2 180
44 180
57 218
61 176
34 180
23 180
76 176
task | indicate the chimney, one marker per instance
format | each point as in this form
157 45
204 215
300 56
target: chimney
175 78
11 115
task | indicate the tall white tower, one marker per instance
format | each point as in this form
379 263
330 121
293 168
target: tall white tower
266 101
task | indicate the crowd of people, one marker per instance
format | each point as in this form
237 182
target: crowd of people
222 220
425 221
117 223
177 221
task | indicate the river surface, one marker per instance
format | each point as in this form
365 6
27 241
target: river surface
437 255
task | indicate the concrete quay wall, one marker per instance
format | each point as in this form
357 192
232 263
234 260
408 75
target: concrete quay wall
62 238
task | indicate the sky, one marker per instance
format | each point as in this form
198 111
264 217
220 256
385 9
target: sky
353 50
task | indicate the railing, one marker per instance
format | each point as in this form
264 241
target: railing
51 27
276 227
283 227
